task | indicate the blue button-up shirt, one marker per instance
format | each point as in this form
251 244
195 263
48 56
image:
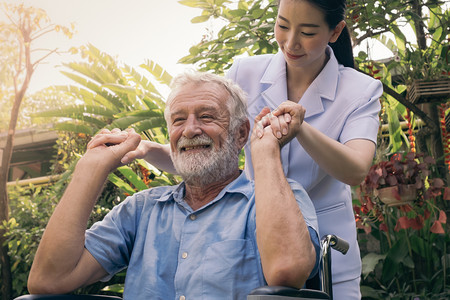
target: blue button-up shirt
173 252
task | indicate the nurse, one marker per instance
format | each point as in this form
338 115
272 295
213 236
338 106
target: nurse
337 108
311 82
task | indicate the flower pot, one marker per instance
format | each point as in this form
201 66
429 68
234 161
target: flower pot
397 195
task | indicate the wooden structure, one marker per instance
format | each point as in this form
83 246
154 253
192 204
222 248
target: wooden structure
422 91
32 154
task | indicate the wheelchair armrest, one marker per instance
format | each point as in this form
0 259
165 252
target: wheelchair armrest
67 297
284 293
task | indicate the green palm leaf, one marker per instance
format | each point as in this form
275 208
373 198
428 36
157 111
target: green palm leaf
158 72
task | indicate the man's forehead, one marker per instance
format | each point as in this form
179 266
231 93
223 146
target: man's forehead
203 96
199 106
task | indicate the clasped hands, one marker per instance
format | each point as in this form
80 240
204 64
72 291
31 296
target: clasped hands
283 123
108 147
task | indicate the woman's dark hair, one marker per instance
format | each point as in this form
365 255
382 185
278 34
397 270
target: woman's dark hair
334 11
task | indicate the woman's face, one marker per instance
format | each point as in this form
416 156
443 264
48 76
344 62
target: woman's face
302 34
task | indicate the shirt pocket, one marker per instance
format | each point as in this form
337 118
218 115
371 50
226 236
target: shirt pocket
231 269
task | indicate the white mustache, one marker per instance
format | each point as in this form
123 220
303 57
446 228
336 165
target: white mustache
203 139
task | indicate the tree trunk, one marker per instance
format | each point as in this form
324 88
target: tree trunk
419 26
6 290
5 163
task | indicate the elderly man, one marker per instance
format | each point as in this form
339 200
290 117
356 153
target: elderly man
216 235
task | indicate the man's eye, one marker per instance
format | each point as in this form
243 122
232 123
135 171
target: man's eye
308 34
178 120
206 117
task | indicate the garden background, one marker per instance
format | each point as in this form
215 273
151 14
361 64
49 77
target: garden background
404 244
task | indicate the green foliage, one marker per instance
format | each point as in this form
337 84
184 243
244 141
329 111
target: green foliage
109 95
248 30
424 56
113 95
31 207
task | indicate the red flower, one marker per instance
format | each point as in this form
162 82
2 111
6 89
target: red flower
447 193
437 227
417 223
442 217
402 223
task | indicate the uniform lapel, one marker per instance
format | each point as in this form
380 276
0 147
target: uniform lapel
275 80
276 93
323 87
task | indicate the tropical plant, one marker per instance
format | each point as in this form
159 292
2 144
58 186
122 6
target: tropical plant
402 171
412 258
108 94
111 95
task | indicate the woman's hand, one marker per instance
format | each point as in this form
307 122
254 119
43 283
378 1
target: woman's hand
285 121
279 124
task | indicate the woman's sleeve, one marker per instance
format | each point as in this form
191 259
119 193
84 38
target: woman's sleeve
364 121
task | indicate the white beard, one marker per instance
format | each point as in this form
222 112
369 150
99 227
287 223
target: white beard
206 166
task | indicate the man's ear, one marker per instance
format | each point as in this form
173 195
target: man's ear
337 31
242 134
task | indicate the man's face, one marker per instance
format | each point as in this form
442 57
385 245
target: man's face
201 145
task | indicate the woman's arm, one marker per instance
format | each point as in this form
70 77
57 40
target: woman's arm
347 162
156 154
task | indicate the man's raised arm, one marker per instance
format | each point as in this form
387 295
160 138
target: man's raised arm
62 264
287 253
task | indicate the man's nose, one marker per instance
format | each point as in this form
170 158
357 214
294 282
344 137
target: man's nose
192 127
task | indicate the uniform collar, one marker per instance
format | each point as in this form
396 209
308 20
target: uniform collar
325 84
275 70
322 88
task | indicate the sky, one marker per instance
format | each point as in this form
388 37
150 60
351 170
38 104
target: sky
131 30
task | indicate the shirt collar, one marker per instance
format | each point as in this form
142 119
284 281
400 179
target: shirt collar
240 185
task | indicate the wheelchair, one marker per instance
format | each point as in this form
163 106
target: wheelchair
318 287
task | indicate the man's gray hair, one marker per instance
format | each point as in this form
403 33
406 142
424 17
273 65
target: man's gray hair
236 103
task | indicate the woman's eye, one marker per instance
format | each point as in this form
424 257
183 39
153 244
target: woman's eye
282 27
206 117
308 34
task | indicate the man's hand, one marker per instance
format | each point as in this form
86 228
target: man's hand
109 147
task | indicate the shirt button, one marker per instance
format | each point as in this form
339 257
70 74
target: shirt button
184 255
192 217
182 298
